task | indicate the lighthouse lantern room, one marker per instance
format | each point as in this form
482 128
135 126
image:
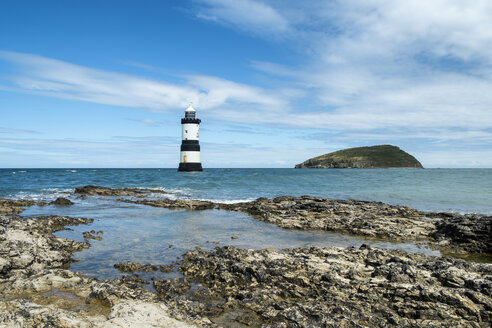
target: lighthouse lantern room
190 148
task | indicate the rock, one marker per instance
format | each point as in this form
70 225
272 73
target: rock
92 235
61 202
396 223
13 207
470 232
360 218
134 266
166 268
383 156
172 287
37 292
29 246
142 314
175 204
355 287
303 287
105 191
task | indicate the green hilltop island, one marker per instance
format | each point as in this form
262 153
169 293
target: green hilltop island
382 156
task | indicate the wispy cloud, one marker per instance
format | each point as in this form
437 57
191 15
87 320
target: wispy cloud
151 151
147 121
50 77
10 130
249 15
54 78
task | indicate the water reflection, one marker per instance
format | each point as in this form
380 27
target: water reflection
160 236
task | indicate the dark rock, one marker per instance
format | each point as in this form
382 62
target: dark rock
13 207
105 191
134 266
470 232
92 235
317 287
166 268
172 287
360 218
175 204
61 202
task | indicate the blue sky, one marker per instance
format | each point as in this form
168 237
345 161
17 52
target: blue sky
105 83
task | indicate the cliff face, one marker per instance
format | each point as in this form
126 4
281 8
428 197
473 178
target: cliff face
383 156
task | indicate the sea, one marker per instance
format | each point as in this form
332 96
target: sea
144 234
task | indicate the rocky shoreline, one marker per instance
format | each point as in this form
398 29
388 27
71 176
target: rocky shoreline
37 290
331 287
232 287
449 232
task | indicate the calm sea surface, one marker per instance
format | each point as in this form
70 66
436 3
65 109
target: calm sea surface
160 236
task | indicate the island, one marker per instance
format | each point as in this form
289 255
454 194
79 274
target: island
381 156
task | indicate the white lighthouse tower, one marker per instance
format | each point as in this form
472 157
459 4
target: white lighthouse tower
190 148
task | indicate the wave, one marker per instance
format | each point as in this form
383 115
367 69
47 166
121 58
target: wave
231 201
47 194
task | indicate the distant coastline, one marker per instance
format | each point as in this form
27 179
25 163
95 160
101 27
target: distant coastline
381 156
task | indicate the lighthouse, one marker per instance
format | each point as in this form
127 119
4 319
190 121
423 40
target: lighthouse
190 148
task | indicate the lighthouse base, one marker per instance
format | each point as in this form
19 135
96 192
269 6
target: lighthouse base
190 167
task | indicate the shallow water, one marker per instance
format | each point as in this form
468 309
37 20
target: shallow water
160 236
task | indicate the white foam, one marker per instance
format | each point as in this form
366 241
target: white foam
46 194
228 201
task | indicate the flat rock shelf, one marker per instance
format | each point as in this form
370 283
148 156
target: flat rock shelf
227 286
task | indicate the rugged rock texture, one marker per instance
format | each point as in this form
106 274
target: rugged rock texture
166 268
37 292
60 201
383 156
27 246
96 235
61 298
175 204
330 287
230 287
367 219
13 207
472 232
91 190
448 231
134 266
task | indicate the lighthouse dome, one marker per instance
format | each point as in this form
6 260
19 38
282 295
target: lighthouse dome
190 114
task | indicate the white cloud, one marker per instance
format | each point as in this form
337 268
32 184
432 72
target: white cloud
55 78
374 64
147 121
247 15
10 130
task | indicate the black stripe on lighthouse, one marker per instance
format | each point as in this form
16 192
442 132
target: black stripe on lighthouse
185 147
190 167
